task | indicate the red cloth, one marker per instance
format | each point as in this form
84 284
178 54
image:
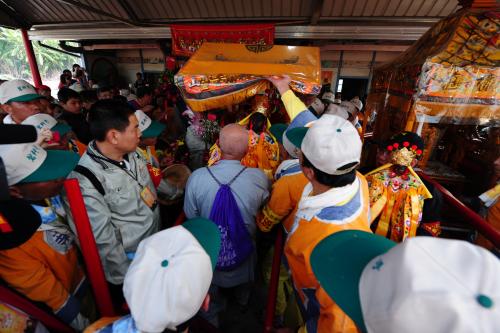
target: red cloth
186 39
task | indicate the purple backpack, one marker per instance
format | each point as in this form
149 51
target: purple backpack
236 242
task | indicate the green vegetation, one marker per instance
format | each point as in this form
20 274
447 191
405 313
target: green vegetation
14 63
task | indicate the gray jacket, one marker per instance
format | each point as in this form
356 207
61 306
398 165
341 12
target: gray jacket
120 220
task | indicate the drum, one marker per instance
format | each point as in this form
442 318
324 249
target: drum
171 188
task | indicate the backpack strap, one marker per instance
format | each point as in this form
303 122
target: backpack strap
237 175
211 174
91 177
230 182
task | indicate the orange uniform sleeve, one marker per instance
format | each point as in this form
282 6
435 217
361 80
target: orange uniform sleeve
278 207
32 278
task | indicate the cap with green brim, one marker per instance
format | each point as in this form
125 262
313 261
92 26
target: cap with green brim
25 98
153 130
17 91
207 234
277 131
296 135
58 164
338 262
61 128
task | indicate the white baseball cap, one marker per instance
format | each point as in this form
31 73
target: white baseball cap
328 97
332 144
170 275
42 121
337 110
30 163
349 107
77 86
149 128
424 284
318 106
17 91
357 103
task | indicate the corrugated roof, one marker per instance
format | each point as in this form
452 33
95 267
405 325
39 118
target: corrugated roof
38 12
344 19
388 8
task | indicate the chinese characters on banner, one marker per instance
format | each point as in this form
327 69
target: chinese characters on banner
186 39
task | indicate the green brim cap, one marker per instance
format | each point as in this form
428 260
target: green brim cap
207 234
153 130
25 98
296 135
58 164
338 262
277 131
61 128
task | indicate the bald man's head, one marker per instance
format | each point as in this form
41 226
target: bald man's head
233 141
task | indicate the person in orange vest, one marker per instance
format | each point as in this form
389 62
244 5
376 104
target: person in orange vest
335 199
39 259
286 193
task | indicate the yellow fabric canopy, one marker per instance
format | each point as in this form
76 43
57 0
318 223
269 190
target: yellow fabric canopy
218 75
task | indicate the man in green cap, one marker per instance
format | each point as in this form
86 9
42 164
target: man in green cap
41 261
19 99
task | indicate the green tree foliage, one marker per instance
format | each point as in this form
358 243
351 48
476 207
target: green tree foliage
14 63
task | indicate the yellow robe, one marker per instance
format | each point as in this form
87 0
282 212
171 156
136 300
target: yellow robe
398 202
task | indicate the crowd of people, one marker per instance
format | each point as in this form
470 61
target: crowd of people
352 261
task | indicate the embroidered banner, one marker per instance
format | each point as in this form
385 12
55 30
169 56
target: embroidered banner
186 39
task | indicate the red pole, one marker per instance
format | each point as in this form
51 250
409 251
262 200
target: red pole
472 217
273 283
37 80
52 323
88 246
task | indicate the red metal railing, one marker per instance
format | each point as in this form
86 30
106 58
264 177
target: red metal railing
52 323
470 216
95 272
